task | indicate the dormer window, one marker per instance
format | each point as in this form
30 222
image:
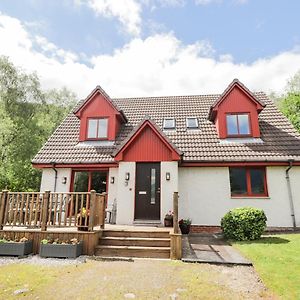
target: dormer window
192 123
238 124
97 128
169 123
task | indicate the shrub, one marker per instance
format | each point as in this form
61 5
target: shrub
245 223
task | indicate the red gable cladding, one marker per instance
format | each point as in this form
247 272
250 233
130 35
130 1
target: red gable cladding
99 107
237 101
147 145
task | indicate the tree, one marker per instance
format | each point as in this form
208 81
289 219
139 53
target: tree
290 102
28 115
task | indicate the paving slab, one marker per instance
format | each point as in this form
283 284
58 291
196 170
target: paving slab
210 248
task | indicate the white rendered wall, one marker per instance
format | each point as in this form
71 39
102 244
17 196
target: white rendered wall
168 187
48 179
205 195
112 187
125 193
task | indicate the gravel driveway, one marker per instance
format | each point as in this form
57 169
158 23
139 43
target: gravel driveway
140 279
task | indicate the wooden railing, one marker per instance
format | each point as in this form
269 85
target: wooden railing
42 210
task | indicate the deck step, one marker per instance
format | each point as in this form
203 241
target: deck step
132 251
135 241
136 233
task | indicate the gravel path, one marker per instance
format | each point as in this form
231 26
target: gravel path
138 279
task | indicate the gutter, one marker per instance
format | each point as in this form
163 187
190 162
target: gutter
290 195
55 178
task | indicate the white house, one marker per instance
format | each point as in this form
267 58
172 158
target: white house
217 151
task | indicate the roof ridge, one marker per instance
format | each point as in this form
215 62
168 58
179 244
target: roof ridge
177 96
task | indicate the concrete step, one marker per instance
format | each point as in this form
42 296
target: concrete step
136 233
132 251
135 241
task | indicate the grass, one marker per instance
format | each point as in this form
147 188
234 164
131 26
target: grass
277 260
147 279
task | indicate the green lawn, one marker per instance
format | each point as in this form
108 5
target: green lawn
277 260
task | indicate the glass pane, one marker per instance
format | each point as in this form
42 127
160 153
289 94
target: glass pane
102 128
231 121
257 181
244 124
81 182
92 130
238 181
99 182
153 186
169 123
192 123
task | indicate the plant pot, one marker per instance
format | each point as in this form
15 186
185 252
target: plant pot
185 229
168 222
61 251
16 249
81 224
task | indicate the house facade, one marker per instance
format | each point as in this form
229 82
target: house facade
218 151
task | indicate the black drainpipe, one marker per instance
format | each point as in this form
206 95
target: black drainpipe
287 177
55 180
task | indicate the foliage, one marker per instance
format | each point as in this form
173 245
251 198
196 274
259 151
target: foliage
290 102
169 215
245 223
73 241
4 239
185 222
28 116
276 258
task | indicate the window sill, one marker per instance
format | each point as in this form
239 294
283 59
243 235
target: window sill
250 197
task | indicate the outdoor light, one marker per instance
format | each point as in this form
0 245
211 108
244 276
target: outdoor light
127 176
168 176
112 180
64 180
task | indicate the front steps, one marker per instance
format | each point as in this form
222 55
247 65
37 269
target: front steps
134 243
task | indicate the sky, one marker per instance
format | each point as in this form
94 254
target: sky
153 47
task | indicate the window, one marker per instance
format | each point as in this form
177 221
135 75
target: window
191 123
97 128
238 124
248 182
85 181
169 123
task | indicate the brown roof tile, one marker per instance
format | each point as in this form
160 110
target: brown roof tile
280 140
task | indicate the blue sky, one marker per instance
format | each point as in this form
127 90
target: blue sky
97 38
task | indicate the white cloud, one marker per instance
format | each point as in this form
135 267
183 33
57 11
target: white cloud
158 65
128 12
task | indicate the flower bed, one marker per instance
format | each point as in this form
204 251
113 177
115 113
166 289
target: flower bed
61 249
16 247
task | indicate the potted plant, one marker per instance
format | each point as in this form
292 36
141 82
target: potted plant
16 247
168 221
185 225
82 219
62 249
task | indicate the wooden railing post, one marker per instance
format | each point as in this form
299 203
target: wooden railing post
3 203
102 210
45 210
92 210
175 212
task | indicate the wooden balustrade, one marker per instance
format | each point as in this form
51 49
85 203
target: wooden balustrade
42 210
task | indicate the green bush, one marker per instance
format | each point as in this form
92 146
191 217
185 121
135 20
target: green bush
246 223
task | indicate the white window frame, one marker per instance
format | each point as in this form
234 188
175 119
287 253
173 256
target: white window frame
187 124
169 128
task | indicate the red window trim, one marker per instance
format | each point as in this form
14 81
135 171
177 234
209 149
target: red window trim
238 127
90 177
87 129
249 193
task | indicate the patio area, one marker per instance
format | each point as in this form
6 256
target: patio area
210 248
